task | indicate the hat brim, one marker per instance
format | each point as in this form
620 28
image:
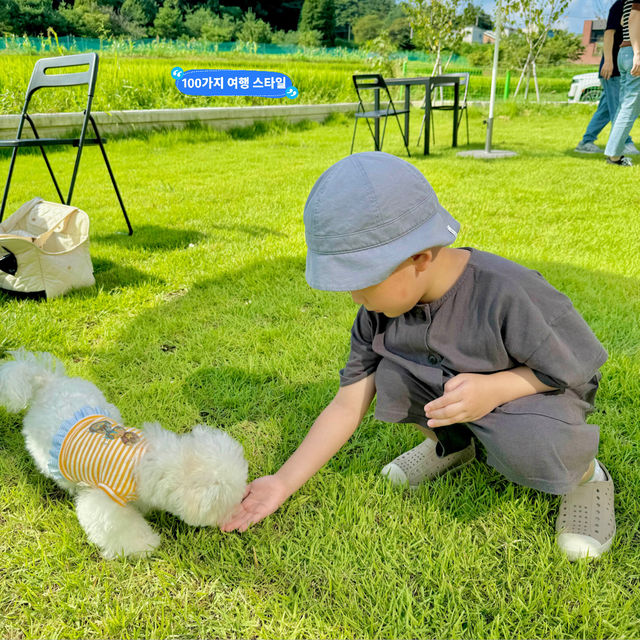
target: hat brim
354 270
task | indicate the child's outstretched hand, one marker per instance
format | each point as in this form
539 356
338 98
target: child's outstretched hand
262 497
467 397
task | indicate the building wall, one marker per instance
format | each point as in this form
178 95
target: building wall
591 41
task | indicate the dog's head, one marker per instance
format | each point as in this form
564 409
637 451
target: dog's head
199 476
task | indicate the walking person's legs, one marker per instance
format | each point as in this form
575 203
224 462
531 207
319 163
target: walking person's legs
611 91
598 122
628 109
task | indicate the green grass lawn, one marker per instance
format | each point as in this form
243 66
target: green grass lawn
203 315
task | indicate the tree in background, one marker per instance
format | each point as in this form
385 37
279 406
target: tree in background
195 19
254 29
349 11
559 48
168 22
204 23
29 16
367 27
6 17
87 18
400 33
139 12
538 17
381 60
436 26
475 15
319 15
220 29
311 38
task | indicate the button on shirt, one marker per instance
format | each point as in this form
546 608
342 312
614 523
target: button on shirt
497 316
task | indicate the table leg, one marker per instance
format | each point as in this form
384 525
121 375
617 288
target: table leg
376 121
427 117
456 95
407 106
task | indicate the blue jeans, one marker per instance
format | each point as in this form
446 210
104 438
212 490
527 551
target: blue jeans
629 104
606 111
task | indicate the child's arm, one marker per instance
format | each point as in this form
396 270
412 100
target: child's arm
470 396
333 427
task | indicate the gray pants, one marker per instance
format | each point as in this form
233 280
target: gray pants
540 441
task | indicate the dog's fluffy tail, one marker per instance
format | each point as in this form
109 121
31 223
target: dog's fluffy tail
21 377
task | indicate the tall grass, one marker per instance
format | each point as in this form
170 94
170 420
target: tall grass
145 83
135 78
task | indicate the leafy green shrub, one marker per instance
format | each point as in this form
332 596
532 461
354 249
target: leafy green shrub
311 38
219 29
169 22
254 29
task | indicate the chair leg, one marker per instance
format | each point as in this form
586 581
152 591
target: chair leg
421 129
383 132
404 138
113 180
353 137
76 164
44 155
463 110
376 143
466 116
6 186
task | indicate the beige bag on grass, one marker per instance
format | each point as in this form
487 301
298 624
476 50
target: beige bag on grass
44 250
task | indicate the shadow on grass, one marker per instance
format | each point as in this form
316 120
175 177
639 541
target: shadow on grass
254 231
193 132
111 276
151 236
14 452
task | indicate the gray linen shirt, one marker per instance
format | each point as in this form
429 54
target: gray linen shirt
498 315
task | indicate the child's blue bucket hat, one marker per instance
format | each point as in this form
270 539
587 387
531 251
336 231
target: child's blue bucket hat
365 215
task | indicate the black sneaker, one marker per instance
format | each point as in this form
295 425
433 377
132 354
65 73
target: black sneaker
622 161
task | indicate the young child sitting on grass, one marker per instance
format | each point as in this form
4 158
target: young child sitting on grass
463 343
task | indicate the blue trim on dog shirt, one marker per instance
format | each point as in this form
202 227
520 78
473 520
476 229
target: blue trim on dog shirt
58 438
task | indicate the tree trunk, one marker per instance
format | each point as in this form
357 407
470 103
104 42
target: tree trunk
525 69
437 66
535 81
446 64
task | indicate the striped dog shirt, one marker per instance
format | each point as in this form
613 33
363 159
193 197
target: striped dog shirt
95 450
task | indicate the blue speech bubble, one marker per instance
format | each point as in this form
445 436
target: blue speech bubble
231 82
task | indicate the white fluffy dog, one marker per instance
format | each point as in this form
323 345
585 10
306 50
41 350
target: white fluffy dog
199 477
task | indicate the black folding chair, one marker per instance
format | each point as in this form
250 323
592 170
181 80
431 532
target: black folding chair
41 79
376 83
449 106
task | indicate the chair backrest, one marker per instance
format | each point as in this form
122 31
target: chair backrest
464 81
370 81
40 78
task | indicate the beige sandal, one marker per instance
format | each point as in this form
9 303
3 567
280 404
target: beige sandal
586 521
422 463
